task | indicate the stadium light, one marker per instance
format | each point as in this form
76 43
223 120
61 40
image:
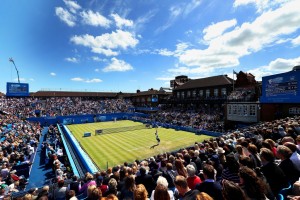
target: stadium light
11 60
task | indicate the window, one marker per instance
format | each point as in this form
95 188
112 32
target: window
201 93
207 93
216 92
229 109
223 91
245 110
178 95
252 110
188 94
194 93
182 95
234 111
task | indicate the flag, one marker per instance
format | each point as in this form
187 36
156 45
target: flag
11 60
234 72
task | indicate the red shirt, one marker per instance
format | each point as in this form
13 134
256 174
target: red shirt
193 181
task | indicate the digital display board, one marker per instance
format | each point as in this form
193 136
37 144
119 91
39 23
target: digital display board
281 88
17 89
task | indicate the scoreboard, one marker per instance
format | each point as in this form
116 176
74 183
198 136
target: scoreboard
281 88
17 89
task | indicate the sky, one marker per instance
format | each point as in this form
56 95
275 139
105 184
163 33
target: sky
126 45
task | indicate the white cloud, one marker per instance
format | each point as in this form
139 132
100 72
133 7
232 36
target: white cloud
94 19
106 43
73 60
296 41
21 79
77 79
215 30
97 70
179 10
165 52
120 22
65 16
283 65
261 5
189 70
265 30
180 48
279 65
259 73
52 74
164 78
118 65
97 59
72 5
94 80
141 21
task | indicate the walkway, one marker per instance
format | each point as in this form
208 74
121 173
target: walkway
40 174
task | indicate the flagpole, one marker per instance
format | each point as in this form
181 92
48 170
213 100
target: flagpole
11 60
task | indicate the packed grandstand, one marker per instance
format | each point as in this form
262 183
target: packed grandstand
259 161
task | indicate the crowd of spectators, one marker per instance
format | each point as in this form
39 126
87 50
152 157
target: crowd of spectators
61 106
242 94
202 118
256 162
18 143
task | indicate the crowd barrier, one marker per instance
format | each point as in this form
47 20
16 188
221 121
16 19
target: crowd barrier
72 163
84 158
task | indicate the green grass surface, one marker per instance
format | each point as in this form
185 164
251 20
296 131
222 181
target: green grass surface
116 148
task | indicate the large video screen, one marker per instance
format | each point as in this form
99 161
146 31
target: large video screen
281 88
17 89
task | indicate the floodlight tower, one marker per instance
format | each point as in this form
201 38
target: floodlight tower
11 60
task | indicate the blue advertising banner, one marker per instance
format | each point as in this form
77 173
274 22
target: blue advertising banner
281 88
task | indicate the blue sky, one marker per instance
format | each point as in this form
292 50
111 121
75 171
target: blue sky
125 45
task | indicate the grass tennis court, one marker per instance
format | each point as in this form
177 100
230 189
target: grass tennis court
116 148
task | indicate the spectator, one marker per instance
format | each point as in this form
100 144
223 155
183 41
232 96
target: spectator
89 181
286 165
145 179
140 193
230 172
192 178
74 185
253 186
209 185
60 192
112 188
295 157
129 188
71 195
203 196
161 193
232 191
163 181
274 175
183 189
180 169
